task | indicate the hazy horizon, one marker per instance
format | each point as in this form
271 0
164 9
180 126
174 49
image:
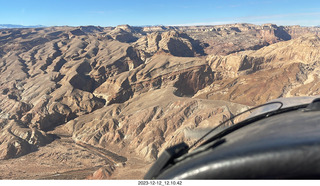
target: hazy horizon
169 13
3 26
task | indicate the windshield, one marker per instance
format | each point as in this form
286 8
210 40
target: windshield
287 102
270 106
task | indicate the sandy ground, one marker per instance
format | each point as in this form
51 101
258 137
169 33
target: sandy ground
64 159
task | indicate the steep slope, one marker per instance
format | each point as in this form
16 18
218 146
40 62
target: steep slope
232 38
126 93
149 122
187 74
50 76
173 42
283 69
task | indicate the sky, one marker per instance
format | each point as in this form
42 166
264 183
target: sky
158 12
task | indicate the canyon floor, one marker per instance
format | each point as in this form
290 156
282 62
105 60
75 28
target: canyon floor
63 159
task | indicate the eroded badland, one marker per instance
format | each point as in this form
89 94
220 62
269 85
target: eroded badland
103 102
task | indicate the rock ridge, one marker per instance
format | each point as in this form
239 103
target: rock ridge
137 90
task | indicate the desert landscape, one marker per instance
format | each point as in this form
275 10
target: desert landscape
94 102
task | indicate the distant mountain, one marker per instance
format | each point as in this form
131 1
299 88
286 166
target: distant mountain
2 26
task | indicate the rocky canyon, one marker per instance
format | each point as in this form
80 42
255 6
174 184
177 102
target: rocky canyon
95 102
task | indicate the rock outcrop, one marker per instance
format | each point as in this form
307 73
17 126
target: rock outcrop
171 42
150 121
101 174
283 69
17 140
138 90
